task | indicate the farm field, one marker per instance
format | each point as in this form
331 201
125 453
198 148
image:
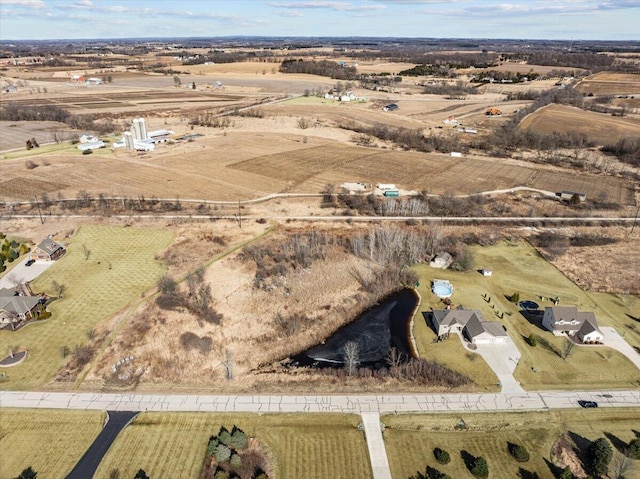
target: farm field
411 439
607 83
518 267
50 441
599 127
16 133
313 446
120 266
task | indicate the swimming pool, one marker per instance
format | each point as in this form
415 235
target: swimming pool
442 288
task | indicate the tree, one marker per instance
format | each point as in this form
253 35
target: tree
441 456
351 357
515 297
86 251
518 452
566 473
58 288
465 260
193 85
480 467
176 81
600 453
28 473
621 467
634 448
141 475
567 348
223 453
532 340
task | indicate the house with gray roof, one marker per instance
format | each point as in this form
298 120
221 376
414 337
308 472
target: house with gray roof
16 307
471 323
567 320
48 250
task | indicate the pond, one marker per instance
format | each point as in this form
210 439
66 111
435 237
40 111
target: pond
375 332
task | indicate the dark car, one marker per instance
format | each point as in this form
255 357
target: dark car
30 262
588 404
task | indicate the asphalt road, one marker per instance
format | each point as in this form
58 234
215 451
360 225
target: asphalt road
88 464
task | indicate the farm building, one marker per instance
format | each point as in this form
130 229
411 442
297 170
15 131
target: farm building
91 145
47 250
386 186
493 112
569 195
487 271
390 107
567 320
159 136
93 81
471 323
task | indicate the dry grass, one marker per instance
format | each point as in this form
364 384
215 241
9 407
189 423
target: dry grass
518 267
120 267
174 445
599 127
410 439
607 83
50 441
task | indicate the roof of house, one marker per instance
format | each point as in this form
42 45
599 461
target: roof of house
49 246
472 320
443 255
8 292
568 318
18 305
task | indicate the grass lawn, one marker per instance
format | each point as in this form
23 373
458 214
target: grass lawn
410 439
51 441
310 446
64 147
120 267
518 267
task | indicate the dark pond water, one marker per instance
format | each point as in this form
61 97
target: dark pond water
375 332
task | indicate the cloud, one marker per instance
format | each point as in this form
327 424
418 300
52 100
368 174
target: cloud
84 3
291 13
39 4
319 4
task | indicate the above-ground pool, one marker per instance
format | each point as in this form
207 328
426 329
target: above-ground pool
442 288
528 305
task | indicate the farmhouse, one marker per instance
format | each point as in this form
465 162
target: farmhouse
442 260
48 250
470 322
16 307
569 321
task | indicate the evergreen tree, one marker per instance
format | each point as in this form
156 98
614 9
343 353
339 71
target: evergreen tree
600 453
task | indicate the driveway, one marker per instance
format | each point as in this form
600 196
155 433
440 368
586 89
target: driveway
503 359
23 274
617 342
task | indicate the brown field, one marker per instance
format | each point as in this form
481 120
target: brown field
599 127
15 133
521 68
605 83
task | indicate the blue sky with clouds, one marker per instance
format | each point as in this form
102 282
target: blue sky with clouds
530 19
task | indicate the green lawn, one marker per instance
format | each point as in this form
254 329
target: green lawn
410 439
518 267
34 153
51 441
309 446
120 267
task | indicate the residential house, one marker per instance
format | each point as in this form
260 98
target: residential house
15 307
48 250
567 320
471 323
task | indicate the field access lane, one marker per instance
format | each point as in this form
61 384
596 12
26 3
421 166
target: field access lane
356 404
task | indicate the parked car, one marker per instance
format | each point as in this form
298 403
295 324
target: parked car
588 404
30 262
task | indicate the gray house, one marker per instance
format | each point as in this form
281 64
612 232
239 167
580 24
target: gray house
15 307
48 250
471 323
567 320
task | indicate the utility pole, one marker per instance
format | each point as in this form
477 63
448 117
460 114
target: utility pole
635 220
239 216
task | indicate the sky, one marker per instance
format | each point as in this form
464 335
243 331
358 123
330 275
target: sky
518 19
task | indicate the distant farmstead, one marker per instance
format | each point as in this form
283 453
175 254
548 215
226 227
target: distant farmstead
48 250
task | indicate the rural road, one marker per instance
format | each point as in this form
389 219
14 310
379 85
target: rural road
368 406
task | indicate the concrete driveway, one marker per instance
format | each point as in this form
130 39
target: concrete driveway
503 359
23 274
617 342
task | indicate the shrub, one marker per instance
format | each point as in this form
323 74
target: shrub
634 448
236 462
441 456
565 473
28 473
518 452
238 439
212 446
532 340
223 453
600 453
480 467
515 297
141 475
221 475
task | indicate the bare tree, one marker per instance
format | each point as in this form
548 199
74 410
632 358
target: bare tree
86 251
567 348
58 288
621 466
394 359
351 357
228 363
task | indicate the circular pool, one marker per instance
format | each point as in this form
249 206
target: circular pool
442 289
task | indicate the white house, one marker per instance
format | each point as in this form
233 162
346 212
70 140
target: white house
567 320
442 260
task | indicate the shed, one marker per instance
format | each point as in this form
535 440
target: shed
487 271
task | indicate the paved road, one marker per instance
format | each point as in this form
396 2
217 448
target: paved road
88 464
355 404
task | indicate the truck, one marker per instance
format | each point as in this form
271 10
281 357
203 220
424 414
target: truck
391 193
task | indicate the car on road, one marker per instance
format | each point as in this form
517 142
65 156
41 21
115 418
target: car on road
30 262
588 404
